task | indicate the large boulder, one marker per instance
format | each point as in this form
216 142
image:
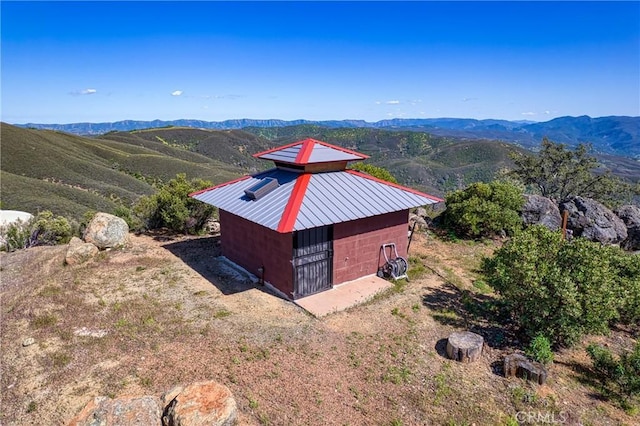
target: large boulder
590 219
539 210
123 411
630 215
212 226
106 231
79 251
421 211
417 221
203 403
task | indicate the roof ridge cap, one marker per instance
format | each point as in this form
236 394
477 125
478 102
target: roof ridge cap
292 209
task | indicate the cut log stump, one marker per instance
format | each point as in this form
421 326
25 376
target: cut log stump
465 346
520 366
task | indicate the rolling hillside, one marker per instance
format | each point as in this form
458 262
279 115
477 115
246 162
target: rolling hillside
434 164
431 163
232 147
68 174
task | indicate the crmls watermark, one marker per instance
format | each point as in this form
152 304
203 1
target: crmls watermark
545 417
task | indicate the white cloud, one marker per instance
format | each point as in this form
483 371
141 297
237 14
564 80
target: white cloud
529 113
468 99
392 102
83 92
176 93
378 102
547 112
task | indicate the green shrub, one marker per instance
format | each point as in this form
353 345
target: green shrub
87 217
45 229
560 289
375 171
16 235
628 290
540 350
128 216
621 374
484 209
171 207
49 230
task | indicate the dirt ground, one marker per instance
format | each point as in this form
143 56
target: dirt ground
164 311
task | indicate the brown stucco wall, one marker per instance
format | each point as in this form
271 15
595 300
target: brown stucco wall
251 245
356 244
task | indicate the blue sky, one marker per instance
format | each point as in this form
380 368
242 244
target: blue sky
107 61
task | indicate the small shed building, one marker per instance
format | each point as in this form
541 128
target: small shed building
309 223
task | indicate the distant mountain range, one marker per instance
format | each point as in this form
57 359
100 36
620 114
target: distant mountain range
618 135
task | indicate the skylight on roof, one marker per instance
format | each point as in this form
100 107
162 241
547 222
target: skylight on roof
261 188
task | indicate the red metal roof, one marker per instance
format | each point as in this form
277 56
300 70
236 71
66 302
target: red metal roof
310 151
308 200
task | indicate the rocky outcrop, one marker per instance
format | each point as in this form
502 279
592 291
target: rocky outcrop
591 220
123 411
630 215
421 211
79 251
418 221
204 403
106 231
212 226
539 210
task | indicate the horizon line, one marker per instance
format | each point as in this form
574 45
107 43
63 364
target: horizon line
309 120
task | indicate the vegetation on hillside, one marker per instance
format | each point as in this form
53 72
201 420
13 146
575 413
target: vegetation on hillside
68 174
234 148
377 172
613 134
558 173
431 163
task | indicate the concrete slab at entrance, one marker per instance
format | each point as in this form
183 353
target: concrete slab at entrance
343 296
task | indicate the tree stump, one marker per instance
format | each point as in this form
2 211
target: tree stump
465 346
520 366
